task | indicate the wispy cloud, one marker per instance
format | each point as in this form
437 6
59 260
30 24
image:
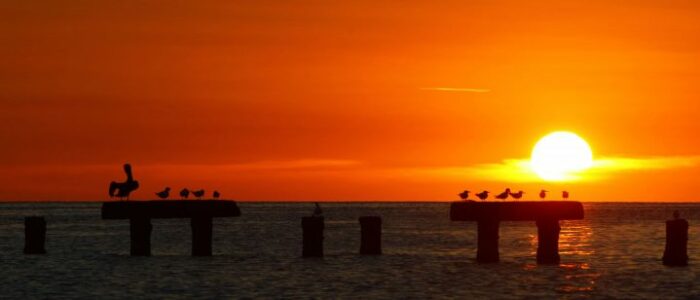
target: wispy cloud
452 89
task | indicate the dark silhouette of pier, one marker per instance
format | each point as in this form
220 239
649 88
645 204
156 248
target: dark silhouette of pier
488 216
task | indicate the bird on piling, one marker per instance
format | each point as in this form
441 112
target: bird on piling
216 195
483 195
184 193
565 195
543 194
464 195
123 189
517 195
164 194
199 194
504 195
317 210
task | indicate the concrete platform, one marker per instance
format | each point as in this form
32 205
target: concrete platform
516 211
160 209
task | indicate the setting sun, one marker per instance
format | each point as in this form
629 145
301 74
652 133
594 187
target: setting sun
559 155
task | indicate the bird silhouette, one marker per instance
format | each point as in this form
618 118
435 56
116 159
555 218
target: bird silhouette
504 195
483 195
565 195
216 195
199 194
123 189
464 195
543 194
317 210
517 195
164 194
184 193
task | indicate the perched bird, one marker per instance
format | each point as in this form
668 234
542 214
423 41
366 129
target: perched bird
517 195
565 195
164 194
184 193
464 195
317 210
483 195
199 194
543 194
504 195
124 189
216 195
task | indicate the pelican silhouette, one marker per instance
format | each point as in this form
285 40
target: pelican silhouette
565 195
216 195
184 193
517 195
504 195
199 193
543 194
464 195
124 189
483 195
164 194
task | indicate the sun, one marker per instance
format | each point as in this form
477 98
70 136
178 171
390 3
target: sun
559 155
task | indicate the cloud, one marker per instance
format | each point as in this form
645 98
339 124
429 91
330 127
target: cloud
450 89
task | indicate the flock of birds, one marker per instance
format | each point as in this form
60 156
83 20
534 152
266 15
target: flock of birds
184 193
507 193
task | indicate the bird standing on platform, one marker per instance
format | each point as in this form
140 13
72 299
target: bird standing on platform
124 189
517 195
483 195
504 195
184 193
199 194
565 195
464 195
164 194
543 194
216 195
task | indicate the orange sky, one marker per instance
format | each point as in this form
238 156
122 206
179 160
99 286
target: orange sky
274 100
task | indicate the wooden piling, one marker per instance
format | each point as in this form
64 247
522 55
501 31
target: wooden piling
676 252
487 241
201 236
34 235
548 241
371 235
312 236
140 229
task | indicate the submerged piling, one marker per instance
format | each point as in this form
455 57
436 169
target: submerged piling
201 236
371 235
34 235
312 228
676 251
548 241
140 236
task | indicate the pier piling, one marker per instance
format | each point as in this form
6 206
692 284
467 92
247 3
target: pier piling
140 236
548 241
487 241
676 252
312 236
201 236
34 235
371 235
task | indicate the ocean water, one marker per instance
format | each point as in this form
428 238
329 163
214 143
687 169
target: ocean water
614 253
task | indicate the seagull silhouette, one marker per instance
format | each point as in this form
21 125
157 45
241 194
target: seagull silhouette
184 193
517 195
543 194
565 195
317 210
199 194
483 195
464 195
123 189
216 195
164 194
504 195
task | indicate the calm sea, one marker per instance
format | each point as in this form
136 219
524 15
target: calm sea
614 253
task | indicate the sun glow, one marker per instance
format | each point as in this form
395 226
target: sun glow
560 155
